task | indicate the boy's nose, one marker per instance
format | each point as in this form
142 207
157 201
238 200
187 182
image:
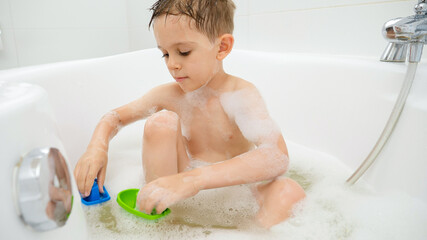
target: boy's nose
172 64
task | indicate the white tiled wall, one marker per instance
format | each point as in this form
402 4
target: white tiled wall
43 31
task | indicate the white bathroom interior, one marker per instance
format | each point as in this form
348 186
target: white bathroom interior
38 32
38 35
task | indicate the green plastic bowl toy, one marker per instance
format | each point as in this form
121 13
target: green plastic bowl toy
127 200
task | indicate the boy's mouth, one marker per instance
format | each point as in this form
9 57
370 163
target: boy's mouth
180 79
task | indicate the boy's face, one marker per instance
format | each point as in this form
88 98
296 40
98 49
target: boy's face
189 55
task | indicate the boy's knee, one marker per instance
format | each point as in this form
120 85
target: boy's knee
161 122
290 188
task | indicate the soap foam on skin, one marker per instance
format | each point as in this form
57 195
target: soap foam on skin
113 119
166 120
332 210
197 99
200 100
247 108
277 160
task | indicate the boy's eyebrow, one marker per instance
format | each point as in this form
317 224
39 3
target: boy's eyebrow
178 43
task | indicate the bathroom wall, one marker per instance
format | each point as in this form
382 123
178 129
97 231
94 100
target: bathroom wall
138 17
43 31
339 27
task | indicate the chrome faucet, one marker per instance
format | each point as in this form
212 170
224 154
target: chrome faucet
406 36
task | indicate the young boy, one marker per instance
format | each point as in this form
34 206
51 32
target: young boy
206 114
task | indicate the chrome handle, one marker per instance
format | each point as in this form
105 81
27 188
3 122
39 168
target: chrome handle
421 8
42 186
406 36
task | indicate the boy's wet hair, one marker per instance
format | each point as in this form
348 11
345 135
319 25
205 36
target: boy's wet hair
212 17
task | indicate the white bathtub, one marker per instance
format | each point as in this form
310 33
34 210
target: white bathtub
335 105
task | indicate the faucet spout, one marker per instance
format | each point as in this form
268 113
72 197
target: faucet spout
395 52
403 32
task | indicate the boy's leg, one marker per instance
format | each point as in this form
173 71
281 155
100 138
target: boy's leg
163 151
276 199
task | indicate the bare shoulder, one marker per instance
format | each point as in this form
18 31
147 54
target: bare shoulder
237 83
167 89
164 95
243 94
241 84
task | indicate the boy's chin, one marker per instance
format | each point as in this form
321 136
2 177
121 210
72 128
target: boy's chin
188 89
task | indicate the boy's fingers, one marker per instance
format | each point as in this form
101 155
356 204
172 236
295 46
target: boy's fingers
161 206
90 177
138 199
101 179
166 201
80 179
76 176
76 172
142 204
147 203
145 195
153 200
142 201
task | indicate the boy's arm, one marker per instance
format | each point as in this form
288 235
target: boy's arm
93 163
267 161
262 163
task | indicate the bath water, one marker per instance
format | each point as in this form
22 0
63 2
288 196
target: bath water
331 210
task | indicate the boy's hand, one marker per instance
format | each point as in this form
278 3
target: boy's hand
93 164
165 191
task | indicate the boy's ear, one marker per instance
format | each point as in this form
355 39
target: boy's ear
226 42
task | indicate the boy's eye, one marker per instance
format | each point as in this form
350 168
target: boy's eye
165 55
184 53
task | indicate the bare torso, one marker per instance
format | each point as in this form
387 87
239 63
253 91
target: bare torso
209 134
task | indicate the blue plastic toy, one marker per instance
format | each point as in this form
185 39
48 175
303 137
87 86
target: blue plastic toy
95 196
